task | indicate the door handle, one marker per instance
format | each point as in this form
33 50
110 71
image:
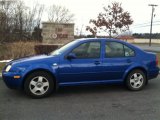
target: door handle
97 62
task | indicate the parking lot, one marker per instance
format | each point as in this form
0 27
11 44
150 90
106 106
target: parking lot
107 102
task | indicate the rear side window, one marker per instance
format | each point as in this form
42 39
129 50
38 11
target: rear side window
116 49
87 50
128 51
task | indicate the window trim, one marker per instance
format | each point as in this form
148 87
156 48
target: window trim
81 44
105 55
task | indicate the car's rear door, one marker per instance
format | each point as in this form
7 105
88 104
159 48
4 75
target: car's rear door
117 58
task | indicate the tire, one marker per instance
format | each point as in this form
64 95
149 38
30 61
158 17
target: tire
39 84
136 80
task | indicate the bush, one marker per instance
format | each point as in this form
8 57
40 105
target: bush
22 49
19 49
45 48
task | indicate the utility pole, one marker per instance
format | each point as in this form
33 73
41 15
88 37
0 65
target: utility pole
150 36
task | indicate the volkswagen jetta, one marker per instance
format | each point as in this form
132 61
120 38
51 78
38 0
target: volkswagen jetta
82 62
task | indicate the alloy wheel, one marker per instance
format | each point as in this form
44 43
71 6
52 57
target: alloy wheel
39 85
136 80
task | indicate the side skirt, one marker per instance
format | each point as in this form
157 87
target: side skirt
91 82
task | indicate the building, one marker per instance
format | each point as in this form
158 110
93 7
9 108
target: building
57 32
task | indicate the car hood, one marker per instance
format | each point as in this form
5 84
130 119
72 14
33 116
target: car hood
31 59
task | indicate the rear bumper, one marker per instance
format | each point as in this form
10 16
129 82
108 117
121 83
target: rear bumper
153 73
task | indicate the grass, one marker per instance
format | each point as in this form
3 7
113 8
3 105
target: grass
2 66
3 50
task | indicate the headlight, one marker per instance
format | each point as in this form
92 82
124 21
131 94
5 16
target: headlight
8 68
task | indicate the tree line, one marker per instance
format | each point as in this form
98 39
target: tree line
146 35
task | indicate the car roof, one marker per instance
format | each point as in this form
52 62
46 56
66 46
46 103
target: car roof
102 39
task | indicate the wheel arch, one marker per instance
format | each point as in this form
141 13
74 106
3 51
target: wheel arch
44 70
135 68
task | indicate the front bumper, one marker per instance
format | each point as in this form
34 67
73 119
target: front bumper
10 81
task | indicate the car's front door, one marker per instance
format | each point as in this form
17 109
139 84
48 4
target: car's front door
84 67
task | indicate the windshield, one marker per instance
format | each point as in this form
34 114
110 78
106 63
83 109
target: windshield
63 48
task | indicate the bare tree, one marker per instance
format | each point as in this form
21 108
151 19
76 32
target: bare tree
59 14
28 18
18 20
6 17
112 21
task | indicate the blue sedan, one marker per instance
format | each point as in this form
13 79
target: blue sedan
82 62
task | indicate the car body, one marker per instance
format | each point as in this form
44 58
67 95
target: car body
84 62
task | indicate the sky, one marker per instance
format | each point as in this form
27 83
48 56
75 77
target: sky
84 10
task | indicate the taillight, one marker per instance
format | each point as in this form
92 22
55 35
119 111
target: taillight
156 60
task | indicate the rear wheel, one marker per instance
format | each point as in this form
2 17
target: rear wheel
136 80
39 84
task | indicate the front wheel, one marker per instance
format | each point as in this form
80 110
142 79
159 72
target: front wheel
136 80
39 84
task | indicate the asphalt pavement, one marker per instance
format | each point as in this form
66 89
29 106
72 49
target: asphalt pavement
104 102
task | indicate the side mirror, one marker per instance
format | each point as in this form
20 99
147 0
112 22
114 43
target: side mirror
71 56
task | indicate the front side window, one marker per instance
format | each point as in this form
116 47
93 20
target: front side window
116 49
87 50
